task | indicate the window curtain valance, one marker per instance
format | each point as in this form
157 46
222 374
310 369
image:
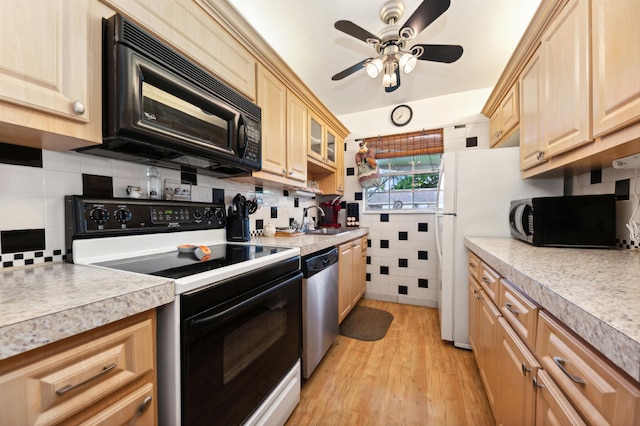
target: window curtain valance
422 142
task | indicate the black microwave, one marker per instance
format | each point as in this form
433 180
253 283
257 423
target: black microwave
160 108
570 221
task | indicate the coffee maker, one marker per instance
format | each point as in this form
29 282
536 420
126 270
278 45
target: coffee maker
331 209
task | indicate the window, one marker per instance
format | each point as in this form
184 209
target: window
406 183
409 169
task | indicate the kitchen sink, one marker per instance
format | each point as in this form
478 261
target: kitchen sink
327 231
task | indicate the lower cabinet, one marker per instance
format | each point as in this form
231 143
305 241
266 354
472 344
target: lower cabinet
104 376
351 275
535 370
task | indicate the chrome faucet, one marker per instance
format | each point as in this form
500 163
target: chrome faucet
304 227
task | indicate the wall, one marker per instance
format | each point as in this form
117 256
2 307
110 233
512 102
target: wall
34 183
622 182
402 259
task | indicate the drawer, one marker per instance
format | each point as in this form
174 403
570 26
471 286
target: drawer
138 407
490 280
520 312
57 386
596 390
474 266
551 405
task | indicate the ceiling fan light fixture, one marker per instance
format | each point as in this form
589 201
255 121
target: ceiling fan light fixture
374 68
408 62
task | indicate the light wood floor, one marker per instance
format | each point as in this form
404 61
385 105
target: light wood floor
410 377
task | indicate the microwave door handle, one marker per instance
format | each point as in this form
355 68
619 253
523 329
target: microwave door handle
242 136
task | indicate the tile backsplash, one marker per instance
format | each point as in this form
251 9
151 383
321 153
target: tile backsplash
625 183
35 182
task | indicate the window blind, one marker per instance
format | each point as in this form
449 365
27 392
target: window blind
422 142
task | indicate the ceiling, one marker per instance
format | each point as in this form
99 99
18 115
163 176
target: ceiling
302 33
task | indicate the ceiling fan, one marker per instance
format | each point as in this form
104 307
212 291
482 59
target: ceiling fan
391 42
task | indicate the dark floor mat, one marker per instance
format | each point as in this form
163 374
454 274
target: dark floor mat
364 323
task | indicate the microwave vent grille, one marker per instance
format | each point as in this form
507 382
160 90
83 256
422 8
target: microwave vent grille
139 40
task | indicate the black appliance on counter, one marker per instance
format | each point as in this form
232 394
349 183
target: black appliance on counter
162 109
238 228
572 221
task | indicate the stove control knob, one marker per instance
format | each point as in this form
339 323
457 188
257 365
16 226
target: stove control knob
219 214
123 215
197 214
208 214
99 215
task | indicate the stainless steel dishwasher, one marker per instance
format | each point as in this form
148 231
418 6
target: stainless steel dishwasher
319 306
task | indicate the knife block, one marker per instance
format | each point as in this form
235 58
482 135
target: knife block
238 228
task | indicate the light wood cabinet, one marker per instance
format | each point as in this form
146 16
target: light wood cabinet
552 407
490 281
597 391
322 142
104 376
284 120
520 312
554 89
558 379
566 57
50 79
531 114
272 98
503 122
616 64
351 275
517 366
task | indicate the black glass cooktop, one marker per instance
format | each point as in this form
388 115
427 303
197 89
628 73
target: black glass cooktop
177 265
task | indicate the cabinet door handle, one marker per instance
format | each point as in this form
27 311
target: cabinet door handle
102 372
290 172
509 307
525 369
536 385
78 107
560 363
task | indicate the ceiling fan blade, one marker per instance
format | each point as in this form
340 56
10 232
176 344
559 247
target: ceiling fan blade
425 14
347 72
446 53
353 30
392 88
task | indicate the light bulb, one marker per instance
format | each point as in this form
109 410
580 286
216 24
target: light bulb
408 63
374 67
386 80
394 80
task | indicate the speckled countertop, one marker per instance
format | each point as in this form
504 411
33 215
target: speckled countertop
596 293
311 243
45 303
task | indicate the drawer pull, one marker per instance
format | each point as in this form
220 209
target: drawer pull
144 406
486 281
560 363
509 307
68 388
525 369
536 385
473 265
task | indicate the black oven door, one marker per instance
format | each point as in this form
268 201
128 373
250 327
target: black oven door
236 352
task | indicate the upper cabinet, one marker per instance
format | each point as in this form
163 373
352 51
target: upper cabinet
322 143
50 79
184 26
503 122
576 67
284 131
616 64
554 89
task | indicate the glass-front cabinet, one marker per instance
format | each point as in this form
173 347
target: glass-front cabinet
322 143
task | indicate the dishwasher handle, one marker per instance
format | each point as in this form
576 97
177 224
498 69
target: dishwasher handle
318 261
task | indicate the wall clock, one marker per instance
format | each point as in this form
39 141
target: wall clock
401 115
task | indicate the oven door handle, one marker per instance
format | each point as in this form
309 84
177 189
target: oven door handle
215 318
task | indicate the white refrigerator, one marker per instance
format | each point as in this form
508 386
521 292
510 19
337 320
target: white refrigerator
474 194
